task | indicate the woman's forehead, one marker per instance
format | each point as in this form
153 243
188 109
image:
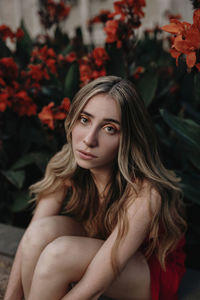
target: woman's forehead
103 105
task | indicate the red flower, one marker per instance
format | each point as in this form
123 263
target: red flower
100 73
138 6
46 115
19 34
186 40
8 68
23 104
129 7
43 53
102 17
50 113
128 13
85 73
65 105
4 101
62 110
47 56
111 29
51 63
100 56
53 12
139 70
92 66
6 32
71 57
37 72
57 10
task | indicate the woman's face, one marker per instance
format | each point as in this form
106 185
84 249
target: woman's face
96 134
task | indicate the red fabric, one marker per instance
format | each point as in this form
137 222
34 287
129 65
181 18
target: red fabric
165 284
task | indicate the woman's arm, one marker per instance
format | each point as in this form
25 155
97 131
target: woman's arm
99 274
47 206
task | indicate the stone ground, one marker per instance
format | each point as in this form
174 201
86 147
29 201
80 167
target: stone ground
9 239
5 266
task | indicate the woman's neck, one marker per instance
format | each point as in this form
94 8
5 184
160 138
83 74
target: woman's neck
102 180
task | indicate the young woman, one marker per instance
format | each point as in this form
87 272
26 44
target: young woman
122 236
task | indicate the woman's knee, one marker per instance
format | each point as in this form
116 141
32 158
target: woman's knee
45 230
58 256
36 234
67 255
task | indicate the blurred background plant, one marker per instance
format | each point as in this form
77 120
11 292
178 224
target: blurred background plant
39 78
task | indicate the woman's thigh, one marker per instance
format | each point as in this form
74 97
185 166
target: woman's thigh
45 230
75 254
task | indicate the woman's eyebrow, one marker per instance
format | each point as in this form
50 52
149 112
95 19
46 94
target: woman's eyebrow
107 119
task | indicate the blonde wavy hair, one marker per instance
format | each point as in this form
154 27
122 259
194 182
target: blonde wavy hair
138 158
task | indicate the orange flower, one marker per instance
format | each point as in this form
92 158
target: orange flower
71 57
65 105
93 65
6 32
8 68
4 101
62 110
46 115
100 56
23 104
19 33
50 113
139 70
111 28
186 40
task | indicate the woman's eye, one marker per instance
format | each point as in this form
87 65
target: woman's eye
110 129
83 120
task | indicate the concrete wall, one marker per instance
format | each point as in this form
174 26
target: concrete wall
12 11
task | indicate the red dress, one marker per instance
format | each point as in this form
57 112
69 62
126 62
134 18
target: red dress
165 284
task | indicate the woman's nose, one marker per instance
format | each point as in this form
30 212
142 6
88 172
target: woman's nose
91 139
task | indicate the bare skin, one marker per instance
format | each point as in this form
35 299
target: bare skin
65 259
38 236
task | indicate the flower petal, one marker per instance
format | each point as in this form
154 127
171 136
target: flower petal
191 59
171 28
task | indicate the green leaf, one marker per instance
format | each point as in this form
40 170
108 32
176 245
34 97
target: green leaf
116 64
24 46
71 84
41 159
67 50
23 162
148 86
21 199
194 158
190 186
187 129
15 177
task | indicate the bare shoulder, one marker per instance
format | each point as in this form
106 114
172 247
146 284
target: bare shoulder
145 196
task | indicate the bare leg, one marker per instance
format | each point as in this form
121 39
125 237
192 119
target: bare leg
65 261
38 236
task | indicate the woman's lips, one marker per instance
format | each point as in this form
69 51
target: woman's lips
86 155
